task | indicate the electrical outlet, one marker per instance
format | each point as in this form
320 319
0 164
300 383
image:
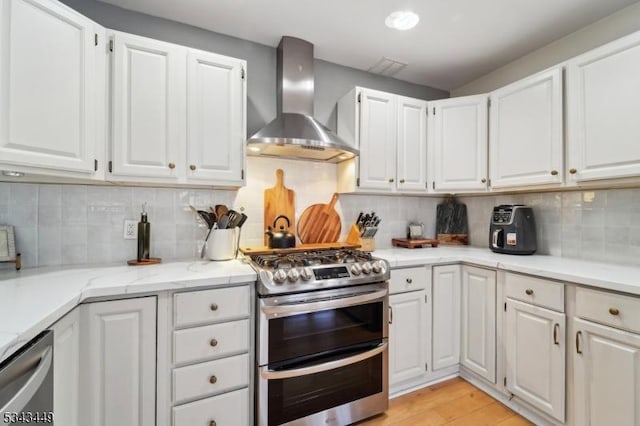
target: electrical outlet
130 229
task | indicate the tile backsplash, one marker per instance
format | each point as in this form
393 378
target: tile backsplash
83 224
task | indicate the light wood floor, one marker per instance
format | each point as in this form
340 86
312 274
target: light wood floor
454 402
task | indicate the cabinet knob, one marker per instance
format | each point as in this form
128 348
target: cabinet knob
192 167
172 166
483 180
213 343
614 311
214 306
213 423
401 180
409 280
391 180
213 380
554 172
573 171
529 291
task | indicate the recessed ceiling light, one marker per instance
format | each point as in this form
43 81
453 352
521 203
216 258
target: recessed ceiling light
402 20
11 173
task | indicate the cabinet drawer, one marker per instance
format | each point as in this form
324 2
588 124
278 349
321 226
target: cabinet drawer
408 279
215 305
227 409
536 291
211 341
608 308
210 377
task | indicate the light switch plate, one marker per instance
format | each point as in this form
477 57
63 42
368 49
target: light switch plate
130 229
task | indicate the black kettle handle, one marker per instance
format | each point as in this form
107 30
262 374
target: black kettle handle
281 217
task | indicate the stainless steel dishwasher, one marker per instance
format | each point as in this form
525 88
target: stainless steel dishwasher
26 383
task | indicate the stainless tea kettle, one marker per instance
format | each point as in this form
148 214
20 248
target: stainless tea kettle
281 239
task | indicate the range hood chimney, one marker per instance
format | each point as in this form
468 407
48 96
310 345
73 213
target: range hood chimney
294 133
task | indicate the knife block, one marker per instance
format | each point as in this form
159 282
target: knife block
353 237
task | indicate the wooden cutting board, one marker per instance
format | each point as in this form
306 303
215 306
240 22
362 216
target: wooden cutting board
279 200
320 223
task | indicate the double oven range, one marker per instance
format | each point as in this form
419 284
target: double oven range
322 356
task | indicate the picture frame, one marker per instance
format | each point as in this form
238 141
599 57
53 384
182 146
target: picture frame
8 246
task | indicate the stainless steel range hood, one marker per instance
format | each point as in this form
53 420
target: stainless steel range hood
295 134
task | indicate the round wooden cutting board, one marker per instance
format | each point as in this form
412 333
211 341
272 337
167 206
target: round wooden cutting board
320 223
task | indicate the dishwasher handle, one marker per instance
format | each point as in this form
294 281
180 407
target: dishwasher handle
24 395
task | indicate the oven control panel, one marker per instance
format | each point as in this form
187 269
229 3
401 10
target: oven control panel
331 273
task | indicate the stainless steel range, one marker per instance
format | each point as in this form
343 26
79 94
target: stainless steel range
322 355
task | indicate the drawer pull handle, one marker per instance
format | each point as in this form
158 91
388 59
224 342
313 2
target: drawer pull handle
213 380
172 166
529 292
614 311
578 335
401 180
483 180
391 180
214 306
192 167
213 423
409 280
556 328
554 172
390 314
213 343
573 171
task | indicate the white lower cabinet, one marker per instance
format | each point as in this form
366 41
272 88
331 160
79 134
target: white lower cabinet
478 322
535 356
446 316
227 409
118 362
409 330
66 368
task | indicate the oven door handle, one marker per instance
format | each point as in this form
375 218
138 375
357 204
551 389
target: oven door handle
321 305
332 365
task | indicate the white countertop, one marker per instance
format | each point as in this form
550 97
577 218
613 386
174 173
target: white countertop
33 299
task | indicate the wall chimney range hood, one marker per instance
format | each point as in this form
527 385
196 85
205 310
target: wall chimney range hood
294 133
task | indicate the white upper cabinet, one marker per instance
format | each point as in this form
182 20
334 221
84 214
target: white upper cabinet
149 95
51 81
178 114
411 171
391 133
215 123
603 101
458 144
378 121
526 132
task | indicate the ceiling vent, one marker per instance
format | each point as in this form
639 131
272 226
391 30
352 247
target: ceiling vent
387 67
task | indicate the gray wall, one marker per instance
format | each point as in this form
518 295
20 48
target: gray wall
332 81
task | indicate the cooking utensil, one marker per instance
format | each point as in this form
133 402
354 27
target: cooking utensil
221 210
223 222
320 223
279 200
198 217
282 238
204 245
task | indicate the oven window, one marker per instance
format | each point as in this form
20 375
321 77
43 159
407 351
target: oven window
315 333
298 397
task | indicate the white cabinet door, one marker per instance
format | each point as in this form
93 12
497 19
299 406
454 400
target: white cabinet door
535 351
149 97
606 376
603 129
459 143
118 358
526 133
377 161
478 328
66 368
49 86
215 118
408 336
446 316
411 173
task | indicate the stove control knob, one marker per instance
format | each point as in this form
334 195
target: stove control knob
293 275
366 268
377 266
279 276
306 274
355 269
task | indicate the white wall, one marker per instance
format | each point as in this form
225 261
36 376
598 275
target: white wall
614 26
